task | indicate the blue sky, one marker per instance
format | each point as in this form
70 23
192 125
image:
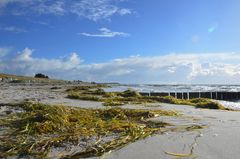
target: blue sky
127 41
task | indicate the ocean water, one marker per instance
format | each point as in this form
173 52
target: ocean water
232 105
183 88
176 88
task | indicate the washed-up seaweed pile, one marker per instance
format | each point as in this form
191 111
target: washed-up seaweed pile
44 131
96 93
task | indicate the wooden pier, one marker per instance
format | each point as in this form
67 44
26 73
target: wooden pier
191 95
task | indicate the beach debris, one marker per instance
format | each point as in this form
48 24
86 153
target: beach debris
178 154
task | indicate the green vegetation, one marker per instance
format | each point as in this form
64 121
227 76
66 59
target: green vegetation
206 103
96 93
88 88
77 95
40 129
197 102
40 75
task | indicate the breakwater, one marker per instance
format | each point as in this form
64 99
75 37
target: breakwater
192 95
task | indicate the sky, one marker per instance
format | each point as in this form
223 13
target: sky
125 41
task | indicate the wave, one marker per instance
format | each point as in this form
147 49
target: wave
178 88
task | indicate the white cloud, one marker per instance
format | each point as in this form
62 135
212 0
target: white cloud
56 8
74 59
106 33
4 51
91 9
25 55
24 63
124 11
98 9
172 68
13 29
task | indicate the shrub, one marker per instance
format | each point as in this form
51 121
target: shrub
40 75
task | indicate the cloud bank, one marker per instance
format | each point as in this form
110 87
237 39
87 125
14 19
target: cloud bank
210 68
91 9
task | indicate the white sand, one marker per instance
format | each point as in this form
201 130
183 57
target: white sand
42 93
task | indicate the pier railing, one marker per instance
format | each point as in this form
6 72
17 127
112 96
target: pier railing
191 95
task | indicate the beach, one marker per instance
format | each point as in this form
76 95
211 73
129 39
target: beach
119 79
217 139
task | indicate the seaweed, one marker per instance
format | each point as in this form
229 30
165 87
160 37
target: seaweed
132 97
40 128
129 93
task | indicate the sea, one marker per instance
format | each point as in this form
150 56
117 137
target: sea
181 88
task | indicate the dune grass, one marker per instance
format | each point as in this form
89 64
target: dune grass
40 129
133 97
